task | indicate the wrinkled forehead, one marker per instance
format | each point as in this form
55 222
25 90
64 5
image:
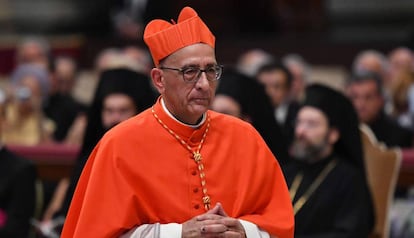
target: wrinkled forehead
197 54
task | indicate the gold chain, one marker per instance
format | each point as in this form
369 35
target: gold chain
298 179
196 155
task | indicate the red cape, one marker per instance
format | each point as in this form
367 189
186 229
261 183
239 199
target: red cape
140 174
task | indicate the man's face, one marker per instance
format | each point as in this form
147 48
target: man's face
32 52
186 101
275 83
367 101
64 76
227 105
29 95
298 82
401 60
117 108
313 138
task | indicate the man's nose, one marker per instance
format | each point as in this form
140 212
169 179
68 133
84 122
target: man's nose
202 82
300 129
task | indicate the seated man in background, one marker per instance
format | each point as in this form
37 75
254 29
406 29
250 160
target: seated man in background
326 176
62 107
25 123
17 189
301 72
277 80
366 93
242 96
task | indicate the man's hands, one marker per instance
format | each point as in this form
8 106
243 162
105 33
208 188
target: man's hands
215 223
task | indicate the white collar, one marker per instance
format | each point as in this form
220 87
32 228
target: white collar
182 123
281 113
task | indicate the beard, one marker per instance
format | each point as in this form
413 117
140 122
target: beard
301 149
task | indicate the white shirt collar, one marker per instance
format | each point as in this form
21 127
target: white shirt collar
281 113
173 117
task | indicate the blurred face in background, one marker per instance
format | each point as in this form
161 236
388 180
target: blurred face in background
227 105
275 83
366 99
32 52
298 81
116 108
314 138
28 95
401 59
64 77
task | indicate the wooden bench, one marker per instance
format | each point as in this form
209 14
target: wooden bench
53 161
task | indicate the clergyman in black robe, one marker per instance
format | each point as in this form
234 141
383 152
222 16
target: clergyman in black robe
326 178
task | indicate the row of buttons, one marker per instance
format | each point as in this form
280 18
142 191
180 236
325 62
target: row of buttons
195 190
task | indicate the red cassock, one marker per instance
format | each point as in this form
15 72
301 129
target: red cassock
140 174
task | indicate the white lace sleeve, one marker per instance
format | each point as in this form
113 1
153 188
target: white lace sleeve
173 230
252 231
143 231
157 230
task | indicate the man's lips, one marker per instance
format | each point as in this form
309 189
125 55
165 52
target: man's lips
199 99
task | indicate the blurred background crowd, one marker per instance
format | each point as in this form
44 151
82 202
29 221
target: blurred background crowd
54 52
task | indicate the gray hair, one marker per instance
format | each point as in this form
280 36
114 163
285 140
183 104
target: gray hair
296 59
38 72
37 40
252 60
370 53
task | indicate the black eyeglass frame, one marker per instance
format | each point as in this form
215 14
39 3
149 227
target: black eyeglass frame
218 68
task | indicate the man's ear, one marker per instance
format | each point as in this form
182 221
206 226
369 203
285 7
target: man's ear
333 135
158 79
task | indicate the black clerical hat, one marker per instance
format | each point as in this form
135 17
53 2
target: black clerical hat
129 82
342 115
121 80
255 104
333 103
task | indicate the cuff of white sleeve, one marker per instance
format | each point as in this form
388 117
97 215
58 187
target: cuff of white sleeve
170 230
252 230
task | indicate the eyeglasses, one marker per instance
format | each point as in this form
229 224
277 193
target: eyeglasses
192 74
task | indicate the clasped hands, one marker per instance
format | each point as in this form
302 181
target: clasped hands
215 223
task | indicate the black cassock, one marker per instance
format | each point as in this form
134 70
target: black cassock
340 206
17 194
